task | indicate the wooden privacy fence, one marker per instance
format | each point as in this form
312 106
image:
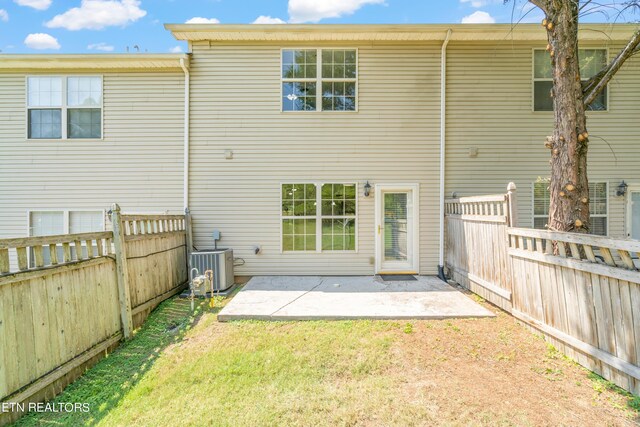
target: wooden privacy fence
476 245
72 298
581 291
156 252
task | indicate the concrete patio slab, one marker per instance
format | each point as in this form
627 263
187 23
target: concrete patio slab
351 297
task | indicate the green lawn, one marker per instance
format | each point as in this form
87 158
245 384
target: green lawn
188 369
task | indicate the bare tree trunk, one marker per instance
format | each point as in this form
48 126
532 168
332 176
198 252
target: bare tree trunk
569 186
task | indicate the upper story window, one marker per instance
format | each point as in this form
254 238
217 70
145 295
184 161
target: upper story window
64 107
319 79
591 61
598 206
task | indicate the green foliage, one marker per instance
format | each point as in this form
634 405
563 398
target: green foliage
600 384
184 368
451 326
188 369
105 385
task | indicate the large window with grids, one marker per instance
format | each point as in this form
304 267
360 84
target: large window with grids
319 79
64 107
591 62
598 206
319 217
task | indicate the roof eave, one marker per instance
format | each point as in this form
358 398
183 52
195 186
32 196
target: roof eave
386 32
99 62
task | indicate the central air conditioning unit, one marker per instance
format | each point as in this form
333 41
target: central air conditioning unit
220 261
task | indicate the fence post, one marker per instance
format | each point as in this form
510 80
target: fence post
513 204
122 271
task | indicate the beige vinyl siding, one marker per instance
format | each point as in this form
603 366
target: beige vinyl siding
489 106
138 164
393 138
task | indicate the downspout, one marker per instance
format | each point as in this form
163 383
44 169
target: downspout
443 111
187 82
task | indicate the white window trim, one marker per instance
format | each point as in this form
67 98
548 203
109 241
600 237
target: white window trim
539 79
319 217
64 108
606 215
318 80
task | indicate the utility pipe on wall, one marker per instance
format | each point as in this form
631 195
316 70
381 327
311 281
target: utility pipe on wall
443 111
187 83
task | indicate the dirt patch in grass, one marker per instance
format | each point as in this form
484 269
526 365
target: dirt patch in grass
372 373
496 372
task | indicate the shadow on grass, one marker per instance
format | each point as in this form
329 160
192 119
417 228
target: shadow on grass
104 385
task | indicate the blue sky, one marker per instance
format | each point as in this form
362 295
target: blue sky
80 26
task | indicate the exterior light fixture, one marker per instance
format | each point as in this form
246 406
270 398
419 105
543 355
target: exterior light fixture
622 189
367 189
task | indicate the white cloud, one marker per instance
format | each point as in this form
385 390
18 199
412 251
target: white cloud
101 46
262 19
315 10
479 17
36 4
98 14
176 49
479 3
199 20
4 16
41 41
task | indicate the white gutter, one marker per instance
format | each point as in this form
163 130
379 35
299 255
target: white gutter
443 111
187 82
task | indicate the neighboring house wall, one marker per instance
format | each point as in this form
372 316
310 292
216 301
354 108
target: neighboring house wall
393 138
138 164
489 107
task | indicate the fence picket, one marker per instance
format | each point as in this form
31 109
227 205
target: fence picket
5 266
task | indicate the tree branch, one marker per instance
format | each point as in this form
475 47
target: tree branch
595 85
542 4
585 4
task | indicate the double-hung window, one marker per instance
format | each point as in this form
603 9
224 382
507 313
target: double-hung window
299 217
338 217
591 62
47 223
319 79
598 208
64 107
319 217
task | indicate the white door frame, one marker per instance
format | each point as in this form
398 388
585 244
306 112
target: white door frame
635 187
414 189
